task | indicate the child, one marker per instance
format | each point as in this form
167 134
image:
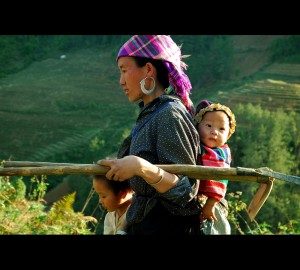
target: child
115 197
215 124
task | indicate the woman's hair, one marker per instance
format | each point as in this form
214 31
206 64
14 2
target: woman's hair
162 72
115 186
163 77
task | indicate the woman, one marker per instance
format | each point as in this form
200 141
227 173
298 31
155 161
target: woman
164 203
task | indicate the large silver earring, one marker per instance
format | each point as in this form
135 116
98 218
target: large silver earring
144 90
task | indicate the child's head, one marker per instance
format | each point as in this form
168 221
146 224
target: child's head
215 123
112 194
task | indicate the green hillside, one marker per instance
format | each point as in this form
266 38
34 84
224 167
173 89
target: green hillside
56 105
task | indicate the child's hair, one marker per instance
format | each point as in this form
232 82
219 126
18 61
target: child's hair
207 106
116 186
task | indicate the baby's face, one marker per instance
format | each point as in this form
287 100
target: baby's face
214 129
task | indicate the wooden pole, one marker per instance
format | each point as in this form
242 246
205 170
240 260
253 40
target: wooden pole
27 168
261 175
35 164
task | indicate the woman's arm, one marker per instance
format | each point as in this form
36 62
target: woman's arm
129 166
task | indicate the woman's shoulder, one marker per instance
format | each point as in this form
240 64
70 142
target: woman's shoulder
170 104
174 115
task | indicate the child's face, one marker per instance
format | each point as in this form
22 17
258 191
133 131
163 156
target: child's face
214 129
107 198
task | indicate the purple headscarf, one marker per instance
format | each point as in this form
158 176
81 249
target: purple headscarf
164 48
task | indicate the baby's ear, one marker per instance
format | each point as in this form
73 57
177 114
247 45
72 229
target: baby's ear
122 193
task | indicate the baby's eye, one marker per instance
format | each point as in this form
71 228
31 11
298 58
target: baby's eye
208 125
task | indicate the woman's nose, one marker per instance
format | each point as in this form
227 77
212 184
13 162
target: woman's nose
121 80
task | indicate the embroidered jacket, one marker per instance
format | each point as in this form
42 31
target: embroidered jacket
164 134
215 157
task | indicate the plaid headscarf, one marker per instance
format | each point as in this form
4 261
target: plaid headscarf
164 48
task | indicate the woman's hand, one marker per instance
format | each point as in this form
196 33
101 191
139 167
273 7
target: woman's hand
123 168
129 166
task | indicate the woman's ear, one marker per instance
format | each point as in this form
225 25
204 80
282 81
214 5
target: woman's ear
150 69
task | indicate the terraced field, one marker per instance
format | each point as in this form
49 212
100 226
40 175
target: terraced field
269 93
278 86
291 70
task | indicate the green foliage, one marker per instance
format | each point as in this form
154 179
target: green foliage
86 200
96 144
291 227
286 48
282 206
21 216
240 223
212 57
235 207
264 138
239 220
38 187
267 139
62 211
19 188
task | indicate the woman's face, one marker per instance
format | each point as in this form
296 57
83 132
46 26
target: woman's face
214 129
130 77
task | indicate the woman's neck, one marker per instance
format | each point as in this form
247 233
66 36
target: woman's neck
148 98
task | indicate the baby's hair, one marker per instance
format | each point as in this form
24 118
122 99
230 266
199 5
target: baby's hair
115 186
206 106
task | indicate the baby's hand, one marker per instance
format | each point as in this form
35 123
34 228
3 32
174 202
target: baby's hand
208 210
